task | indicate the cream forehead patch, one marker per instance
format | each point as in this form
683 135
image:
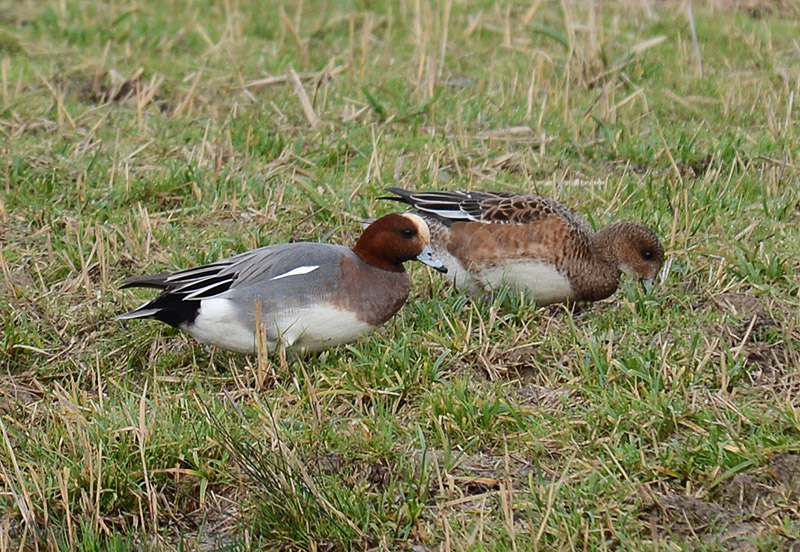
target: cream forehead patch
422 228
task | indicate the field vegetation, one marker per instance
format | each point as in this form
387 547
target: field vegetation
152 135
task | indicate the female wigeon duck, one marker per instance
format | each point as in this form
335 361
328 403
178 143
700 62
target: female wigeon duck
311 295
532 243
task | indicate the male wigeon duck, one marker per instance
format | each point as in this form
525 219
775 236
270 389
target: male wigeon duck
311 295
532 243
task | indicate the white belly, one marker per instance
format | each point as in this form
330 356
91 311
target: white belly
321 327
540 282
219 323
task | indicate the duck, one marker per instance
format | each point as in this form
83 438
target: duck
305 296
532 244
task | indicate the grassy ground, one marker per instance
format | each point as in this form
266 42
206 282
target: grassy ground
154 135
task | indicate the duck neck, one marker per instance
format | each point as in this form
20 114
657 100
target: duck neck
606 270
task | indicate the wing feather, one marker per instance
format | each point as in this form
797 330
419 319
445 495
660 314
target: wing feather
488 207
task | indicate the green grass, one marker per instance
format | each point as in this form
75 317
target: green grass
146 136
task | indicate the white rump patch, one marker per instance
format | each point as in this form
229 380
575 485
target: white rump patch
299 271
219 322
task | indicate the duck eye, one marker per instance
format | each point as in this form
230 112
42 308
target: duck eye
407 233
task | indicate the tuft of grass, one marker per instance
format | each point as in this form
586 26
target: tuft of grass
291 509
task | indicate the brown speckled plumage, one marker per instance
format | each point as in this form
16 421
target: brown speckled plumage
496 236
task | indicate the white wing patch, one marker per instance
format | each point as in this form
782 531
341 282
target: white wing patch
299 271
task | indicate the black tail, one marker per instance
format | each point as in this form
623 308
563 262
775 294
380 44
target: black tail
401 195
167 307
442 207
157 281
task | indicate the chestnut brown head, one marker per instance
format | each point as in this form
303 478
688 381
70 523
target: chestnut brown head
394 239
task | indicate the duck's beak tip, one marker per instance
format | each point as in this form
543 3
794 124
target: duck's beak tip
427 257
648 285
